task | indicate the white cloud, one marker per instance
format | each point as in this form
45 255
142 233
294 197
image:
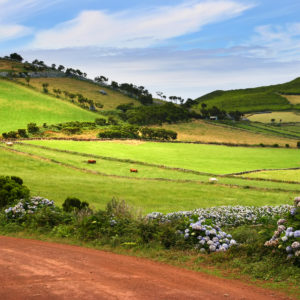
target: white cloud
281 43
137 28
8 32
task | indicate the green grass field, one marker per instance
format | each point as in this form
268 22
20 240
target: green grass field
58 182
286 175
122 169
252 99
203 158
21 105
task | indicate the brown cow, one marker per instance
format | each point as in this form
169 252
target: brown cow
91 161
133 170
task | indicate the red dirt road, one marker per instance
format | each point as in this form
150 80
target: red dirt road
38 270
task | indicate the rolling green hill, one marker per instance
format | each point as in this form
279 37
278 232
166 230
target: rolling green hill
253 99
21 105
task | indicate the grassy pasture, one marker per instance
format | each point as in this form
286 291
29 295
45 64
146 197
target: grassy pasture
119 168
207 132
284 116
204 158
58 182
21 105
87 89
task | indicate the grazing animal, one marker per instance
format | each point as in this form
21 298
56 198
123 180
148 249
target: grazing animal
213 180
10 144
133 170
91 161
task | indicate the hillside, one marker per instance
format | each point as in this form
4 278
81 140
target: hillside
87 89
273 97
21 105
71 84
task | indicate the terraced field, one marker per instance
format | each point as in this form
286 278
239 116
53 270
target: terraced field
253 99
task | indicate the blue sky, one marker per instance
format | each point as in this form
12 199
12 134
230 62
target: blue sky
181 47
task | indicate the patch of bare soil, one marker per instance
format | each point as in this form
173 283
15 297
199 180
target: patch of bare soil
32 269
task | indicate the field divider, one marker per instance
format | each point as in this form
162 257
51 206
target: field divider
34 156
182 170
152 141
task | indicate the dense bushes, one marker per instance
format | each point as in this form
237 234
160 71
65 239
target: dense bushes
135 132
11 189
32 128
149 115
72 203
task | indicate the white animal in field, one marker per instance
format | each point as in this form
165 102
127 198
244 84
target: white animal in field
213 180
10 144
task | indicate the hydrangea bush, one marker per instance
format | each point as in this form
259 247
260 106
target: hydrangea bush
29 206
206 236
228 215
287 235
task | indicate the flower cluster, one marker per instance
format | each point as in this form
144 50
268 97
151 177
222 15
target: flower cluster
227 215
207 237
287 235
27 207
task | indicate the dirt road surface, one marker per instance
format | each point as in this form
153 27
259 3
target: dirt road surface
32 269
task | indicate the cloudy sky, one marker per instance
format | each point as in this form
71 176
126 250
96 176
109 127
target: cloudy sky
181 47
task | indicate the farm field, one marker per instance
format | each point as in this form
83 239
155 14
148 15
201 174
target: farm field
113 168
208 132
286 175
87 89
21 105
57 182
293 99
287 131
284 116
203 158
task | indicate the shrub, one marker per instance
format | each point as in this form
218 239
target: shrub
158 134
71 130
11 189
287 145
298 144
22 133
100 122
262 145
10 135
32 128
112 121
71 204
